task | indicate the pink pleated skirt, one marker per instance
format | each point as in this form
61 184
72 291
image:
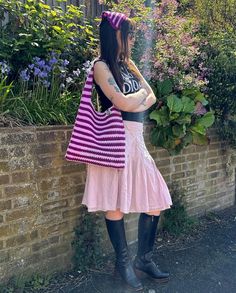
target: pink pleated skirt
139 187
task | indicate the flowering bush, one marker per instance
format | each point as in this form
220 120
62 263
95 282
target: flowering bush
174 53
35 29
47 92
175 66
46 50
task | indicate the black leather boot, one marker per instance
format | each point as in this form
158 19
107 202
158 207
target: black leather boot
123 266
143 263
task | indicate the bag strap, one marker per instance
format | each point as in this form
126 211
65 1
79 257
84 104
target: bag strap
88 86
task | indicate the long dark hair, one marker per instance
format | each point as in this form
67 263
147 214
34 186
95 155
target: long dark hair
109 46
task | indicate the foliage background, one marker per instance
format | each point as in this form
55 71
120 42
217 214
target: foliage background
185 45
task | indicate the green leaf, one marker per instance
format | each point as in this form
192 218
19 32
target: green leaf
198 128
157 137
173 116
201 98
187 139
44 6
191 92
161 116
207 120
53 13
184 119
179 130
57 29
188 105
164 87
174 103
200 139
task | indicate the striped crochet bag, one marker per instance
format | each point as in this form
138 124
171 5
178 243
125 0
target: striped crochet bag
97 138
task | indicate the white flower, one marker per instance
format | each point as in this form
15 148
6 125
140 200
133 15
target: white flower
69 80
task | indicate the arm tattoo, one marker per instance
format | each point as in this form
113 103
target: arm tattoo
144 102
111 81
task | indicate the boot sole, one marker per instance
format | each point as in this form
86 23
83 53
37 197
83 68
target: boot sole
143 275
118 276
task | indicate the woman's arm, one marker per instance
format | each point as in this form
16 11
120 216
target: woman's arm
107 83
151 98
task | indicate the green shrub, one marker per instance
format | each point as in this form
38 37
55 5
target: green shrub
88 242
176 220
222 82
181 118
46 51
36 29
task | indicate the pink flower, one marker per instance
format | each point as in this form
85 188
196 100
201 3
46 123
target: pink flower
199 109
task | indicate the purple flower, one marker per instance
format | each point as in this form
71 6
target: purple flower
24 75
47 68
46 83
41 63
63 75
52 61
199 109
43 74
36 59
65 63
31 66
36 71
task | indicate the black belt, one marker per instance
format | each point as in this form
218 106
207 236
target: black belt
133 116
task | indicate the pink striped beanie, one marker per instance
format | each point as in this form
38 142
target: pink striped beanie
115 18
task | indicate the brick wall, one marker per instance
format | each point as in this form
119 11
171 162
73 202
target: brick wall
40 193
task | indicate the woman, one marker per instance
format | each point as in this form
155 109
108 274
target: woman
139 187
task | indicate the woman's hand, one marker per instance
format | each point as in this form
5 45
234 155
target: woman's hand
107 83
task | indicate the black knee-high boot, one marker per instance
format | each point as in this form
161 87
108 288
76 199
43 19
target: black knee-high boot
124 266
143 264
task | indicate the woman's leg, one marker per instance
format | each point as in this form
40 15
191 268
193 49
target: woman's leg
143 264
116 232
114 215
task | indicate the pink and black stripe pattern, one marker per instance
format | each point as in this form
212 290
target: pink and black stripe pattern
115 18
97 138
